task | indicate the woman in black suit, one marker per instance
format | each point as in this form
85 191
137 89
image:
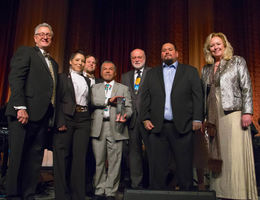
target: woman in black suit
72 138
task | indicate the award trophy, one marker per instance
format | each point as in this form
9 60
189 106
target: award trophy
120 110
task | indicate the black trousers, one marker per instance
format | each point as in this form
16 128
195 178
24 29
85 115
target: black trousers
69 153
169 142
26 145
137 136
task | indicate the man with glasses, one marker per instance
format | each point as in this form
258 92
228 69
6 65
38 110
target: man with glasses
30 112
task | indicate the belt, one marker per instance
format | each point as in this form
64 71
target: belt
81 108
106 119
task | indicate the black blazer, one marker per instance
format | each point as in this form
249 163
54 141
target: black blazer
30 82
66 100
186 98
128 80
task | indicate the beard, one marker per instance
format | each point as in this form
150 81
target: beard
168 62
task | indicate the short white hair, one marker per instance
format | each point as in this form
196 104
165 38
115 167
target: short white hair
42 25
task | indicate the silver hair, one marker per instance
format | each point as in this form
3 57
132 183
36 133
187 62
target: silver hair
42 25
108 61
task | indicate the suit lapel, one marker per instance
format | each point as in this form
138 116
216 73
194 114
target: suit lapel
101 91
89 90
178 75
160 77
114 89
143 77
71 88
132 79
42 59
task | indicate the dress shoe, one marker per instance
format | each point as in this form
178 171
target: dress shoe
98 197
110 198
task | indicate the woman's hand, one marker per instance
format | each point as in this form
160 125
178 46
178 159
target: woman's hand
246 120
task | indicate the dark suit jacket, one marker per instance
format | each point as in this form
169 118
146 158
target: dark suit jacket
128 80
30 82
186 98
98 80
66 100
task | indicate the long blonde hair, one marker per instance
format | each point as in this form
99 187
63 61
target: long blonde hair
228 52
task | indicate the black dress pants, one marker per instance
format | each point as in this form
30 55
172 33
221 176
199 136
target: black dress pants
26 145
69 153
169 142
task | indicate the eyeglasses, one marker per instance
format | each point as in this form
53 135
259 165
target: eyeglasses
48 35
136 57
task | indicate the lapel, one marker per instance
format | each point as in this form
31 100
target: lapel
43 61
132 79
223 65
143 77
178 75
101 90
71 88
89 90
114 89
160 77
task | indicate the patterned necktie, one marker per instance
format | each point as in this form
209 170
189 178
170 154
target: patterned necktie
137 81
47 55
107 87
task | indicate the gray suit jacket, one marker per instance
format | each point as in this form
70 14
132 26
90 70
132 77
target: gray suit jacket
98 102
128 80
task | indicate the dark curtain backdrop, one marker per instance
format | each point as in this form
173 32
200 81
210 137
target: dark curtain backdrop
110 29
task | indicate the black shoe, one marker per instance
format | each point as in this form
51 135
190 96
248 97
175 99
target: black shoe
110 198
98 197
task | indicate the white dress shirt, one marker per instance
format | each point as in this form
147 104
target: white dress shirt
80 87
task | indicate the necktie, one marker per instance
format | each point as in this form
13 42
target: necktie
47 55
137 81
107 87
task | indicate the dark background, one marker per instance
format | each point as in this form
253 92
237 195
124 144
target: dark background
110 29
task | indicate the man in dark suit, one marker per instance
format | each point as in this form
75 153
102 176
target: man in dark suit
32 79
171 110
134 79
89 70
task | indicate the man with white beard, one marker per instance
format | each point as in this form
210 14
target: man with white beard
134 79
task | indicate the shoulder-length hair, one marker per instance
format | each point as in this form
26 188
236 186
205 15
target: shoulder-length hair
228 52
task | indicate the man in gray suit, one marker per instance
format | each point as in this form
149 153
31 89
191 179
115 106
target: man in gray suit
137 135
108 130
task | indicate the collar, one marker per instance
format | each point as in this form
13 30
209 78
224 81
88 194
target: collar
174 65
75 72
110 83
141 70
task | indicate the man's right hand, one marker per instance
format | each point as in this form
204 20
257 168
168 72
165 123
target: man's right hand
148 125
62 128
22 116
113 100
